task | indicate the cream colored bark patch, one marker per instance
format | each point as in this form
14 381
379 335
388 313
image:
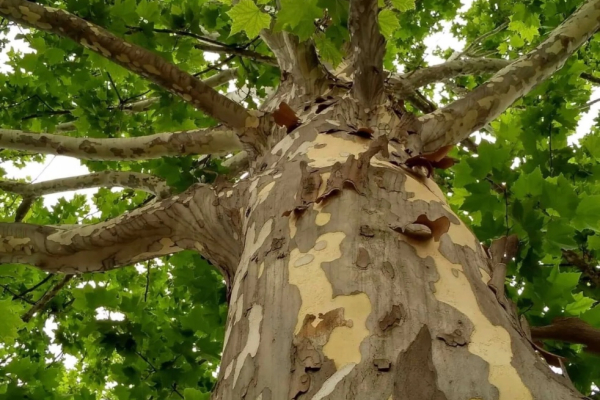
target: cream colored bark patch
261 269
316 293
491 343
254 320
329 386
421 191
326 150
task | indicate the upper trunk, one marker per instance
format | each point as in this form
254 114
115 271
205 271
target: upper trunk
378 291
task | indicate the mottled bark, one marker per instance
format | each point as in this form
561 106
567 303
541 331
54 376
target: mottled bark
126 179
217 140
368 50
130 56
457 121
357 281
197 219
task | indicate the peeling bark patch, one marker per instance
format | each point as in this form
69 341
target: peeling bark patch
453 339
306 259
329 386
382 364
330 147
316 292
254 319
285 116
416 377
363 260
392 318
367 231
491 343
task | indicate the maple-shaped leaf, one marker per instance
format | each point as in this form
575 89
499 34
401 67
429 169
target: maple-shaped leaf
403 5
246 16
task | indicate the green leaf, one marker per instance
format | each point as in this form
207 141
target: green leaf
10 321
246 16
581 304
561 234
592 316
194 394
594 242
299 17
403 5
587 214
529 184
148 10
328 50
388 23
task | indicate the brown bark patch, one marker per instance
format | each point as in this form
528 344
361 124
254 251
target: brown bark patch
382 364
424 228
367 231
309 189
285 116
354 172
416 377
393 318
363 260
453 339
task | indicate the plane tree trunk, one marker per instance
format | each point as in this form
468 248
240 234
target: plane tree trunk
357 281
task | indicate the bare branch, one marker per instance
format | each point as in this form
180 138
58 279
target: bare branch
188 221
368 48
591 78
201 141
457 121
238 51
570 330
478 40
126 179
145 104
586 267
46 298
130 56
405 84
23 208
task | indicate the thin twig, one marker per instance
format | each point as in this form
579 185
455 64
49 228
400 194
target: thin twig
40 283
45 299
147 281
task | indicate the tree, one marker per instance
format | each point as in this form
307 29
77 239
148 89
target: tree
370 250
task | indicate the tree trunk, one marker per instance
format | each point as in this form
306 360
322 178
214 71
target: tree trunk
357 281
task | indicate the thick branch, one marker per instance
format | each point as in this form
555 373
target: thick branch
131 57
201 141
570 330
457 121
49 295
188 221
405 84
126 179
368 48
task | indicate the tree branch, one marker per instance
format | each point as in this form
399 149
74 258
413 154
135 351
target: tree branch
570 330
405 84
457 121
591 78
238 51
132 57
46 298
200 141
368 48
145 104
126 179
584 266
187 221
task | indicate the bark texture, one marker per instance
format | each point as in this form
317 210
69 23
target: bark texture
357 281
457 121
217 140
130 180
